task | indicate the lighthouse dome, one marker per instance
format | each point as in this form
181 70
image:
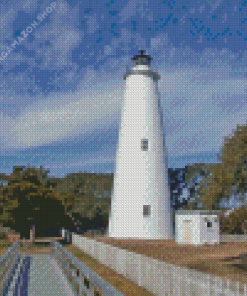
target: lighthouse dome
142 65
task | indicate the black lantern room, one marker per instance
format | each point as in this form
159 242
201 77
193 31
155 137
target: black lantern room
142 59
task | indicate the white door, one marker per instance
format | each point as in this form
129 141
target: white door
187 231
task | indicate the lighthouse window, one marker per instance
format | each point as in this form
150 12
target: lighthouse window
209 224
146 210
144 144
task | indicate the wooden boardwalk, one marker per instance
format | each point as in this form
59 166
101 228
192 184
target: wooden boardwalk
40 275
47 278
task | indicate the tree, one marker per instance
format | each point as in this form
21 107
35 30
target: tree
233 156
228 179
196 179
28 198
235 222
85 195
215 187
78 194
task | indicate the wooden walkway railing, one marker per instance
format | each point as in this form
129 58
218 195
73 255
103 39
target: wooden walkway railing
82 278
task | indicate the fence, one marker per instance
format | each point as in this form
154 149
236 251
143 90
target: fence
8 263
155 276
158 277
66 234
82 278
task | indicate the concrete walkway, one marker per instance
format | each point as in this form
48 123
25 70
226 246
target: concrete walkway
46 277
41 277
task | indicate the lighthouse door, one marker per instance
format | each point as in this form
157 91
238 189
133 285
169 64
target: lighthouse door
187 231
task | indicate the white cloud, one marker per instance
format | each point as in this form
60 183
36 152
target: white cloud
196 122
195 117
92 23
126 40
6 19
201 8
144 10
64 42
29 5
129 10
62 34
215 4
61 116
108 50
102 158
159 41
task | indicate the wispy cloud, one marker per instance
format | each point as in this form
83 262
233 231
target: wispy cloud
65 82
129 10
58 119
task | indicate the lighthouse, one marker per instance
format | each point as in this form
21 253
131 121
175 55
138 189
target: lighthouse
140 202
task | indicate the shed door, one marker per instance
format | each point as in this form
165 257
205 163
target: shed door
187 231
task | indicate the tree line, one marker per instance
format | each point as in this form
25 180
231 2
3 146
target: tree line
225 180
31 197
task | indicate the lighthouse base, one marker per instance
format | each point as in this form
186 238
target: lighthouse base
139 228
143 238
123 234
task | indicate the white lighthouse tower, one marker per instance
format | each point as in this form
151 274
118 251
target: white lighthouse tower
140 203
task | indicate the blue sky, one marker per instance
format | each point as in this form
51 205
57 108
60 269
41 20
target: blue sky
61 87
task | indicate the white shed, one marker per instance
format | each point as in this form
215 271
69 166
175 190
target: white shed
197 227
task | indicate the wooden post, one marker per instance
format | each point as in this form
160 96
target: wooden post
32 234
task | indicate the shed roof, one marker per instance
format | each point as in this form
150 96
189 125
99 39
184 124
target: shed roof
197 212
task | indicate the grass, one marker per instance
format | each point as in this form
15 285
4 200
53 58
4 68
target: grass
124 285
4 245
